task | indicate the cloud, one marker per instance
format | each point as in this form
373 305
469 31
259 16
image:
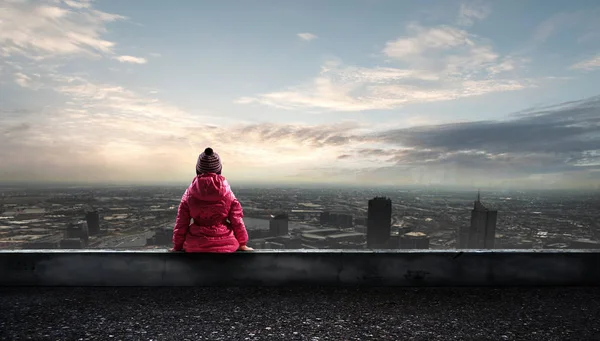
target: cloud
78 4
131 59
555 146
441 63
106 132
472 11
26 81
554 140
307 36
424 39
69 28
583 23
589 64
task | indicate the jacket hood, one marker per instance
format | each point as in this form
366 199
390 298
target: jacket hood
209 187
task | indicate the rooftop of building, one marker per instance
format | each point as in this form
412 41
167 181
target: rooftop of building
304 313
415 234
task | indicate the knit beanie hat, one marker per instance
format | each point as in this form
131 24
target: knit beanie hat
209 162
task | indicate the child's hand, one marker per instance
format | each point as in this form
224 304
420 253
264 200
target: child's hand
245 248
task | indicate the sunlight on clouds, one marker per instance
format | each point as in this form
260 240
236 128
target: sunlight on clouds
83 127
589 64
307 36
438 64
384 88
58 30
131 59
127 136
423 39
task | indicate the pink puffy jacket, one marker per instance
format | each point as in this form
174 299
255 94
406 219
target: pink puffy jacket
217 214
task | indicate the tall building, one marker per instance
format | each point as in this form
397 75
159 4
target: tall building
278 225
379 222
324 218
481 234
78 230
93 222
414 240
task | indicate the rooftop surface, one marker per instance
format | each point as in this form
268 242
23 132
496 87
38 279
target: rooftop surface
259 313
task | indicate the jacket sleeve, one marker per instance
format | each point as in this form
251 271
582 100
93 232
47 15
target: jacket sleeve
182 224
236 215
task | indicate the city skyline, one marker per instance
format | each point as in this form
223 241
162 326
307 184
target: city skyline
372 92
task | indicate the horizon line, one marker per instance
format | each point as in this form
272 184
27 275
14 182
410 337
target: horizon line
273 185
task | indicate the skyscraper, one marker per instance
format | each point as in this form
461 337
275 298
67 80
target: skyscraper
93 222
278 225
379 222
481 234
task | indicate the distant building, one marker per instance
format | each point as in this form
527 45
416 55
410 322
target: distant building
360 221
71 243
341 220
93 222
78 230
279 225
583 244
332 239
273 245
163 236
324 218
46 242
379 222
414 240
481 234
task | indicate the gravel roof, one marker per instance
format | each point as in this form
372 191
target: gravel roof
262 313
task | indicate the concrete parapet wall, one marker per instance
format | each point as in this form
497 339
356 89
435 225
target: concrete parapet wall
300 267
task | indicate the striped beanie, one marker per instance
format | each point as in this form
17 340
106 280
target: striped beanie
209 162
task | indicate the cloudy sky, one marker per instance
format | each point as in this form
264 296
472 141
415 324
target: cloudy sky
471 94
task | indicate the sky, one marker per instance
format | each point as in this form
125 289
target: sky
466 94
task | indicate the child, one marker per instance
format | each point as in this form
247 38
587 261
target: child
217 214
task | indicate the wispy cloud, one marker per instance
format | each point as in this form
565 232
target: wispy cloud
584 21
558 142
70 28
472 11
307 36
107 132
26 81
588 64
441 63
422 39
131 59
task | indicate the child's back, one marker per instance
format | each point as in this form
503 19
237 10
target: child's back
218 225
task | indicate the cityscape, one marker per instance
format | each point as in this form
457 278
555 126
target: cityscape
142 217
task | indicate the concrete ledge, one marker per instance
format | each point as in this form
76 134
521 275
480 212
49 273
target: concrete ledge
300 267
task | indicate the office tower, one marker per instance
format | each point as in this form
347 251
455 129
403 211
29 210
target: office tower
379 222
93 222
78 230
481 234
278 225
414 240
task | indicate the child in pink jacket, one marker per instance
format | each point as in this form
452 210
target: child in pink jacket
218 225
